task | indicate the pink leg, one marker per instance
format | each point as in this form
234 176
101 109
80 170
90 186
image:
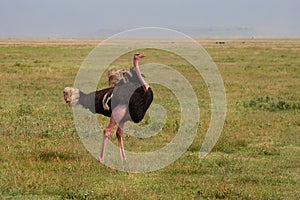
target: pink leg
106 133
120 140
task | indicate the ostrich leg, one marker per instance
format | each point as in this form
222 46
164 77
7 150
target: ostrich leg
120 141
106 133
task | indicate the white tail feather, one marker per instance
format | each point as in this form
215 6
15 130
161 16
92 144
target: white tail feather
71 96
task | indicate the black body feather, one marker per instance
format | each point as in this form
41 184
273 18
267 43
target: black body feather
128 91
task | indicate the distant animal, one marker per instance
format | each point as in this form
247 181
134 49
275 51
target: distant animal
127 98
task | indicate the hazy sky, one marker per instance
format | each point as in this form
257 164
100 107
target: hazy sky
77 18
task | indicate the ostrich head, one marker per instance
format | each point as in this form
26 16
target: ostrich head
138 55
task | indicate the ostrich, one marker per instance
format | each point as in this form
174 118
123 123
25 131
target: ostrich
127 99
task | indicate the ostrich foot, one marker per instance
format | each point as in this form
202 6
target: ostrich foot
71 96
122 154
121 146
101 156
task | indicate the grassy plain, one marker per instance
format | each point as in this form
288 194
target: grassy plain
256 157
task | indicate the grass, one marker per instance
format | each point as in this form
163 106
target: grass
256 157
272 104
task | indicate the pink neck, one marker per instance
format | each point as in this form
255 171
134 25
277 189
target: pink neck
135 62
136 65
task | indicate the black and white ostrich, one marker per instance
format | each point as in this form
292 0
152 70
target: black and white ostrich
127 99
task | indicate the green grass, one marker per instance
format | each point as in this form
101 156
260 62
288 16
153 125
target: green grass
256 157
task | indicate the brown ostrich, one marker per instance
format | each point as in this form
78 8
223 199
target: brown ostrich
127 99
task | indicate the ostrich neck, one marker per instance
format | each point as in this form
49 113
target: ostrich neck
136 65
136 62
